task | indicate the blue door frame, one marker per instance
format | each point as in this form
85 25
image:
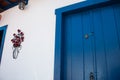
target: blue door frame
86 5
3 28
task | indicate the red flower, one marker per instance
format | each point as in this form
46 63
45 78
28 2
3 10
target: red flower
18 38
13 41
14 34
19 30
16 45
22 33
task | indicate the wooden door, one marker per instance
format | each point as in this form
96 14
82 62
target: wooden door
91 44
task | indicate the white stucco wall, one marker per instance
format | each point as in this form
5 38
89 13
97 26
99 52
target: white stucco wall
36 59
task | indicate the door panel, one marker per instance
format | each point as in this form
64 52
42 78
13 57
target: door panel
91 43
116 9
111 43
99 46
88 54
77 47
72 49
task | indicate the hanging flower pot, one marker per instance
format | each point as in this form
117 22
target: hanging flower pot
17 40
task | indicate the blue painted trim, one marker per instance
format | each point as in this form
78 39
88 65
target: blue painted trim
59 15
4 28
85 5
57 63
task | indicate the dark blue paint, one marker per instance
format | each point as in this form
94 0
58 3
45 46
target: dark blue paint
88 55
72 48
99 46
77 48
67 50
116 9
75 56
111 43
3 39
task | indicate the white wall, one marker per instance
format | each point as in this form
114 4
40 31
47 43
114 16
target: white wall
36 59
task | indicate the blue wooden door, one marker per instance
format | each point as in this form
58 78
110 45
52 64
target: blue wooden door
91 44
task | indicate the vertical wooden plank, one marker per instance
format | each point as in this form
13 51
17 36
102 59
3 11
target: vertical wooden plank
111 43
117 20
66 48
77 48
99 45
88 54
